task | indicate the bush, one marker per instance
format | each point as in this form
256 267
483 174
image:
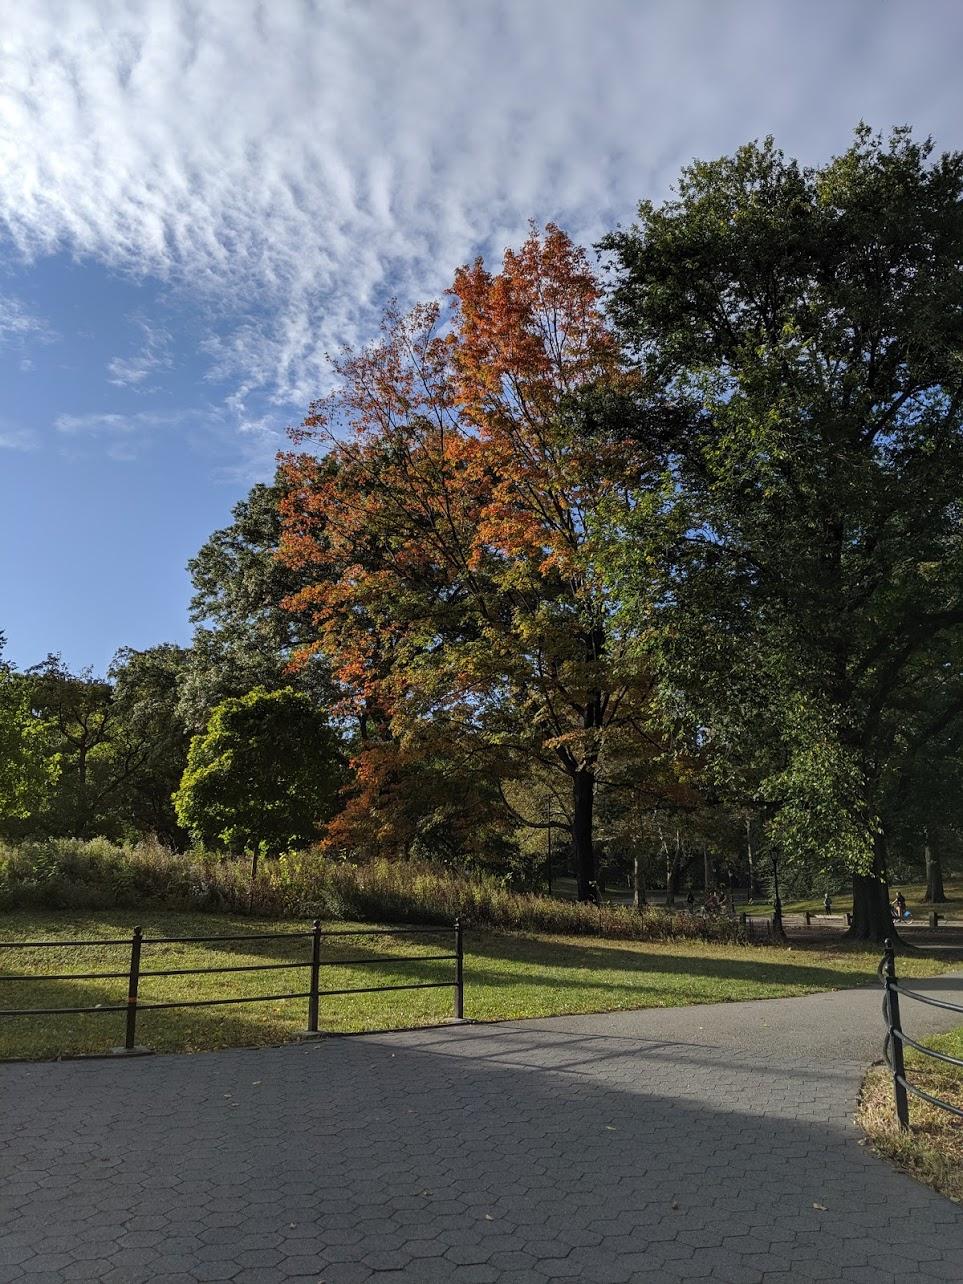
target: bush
66 873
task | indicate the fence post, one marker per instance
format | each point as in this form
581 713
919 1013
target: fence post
808 919
315 976
895 1029
132 987
459 973
934 919
312 1031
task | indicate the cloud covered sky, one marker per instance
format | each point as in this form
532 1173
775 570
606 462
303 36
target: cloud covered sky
198 200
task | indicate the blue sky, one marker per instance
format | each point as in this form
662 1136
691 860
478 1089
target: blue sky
198 201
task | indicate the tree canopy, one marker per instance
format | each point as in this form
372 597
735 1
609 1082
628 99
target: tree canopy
804 327
450 539
263 775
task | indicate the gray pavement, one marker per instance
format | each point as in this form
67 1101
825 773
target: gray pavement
662 1145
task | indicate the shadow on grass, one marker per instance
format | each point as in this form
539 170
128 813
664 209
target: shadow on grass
52 1034
549 976
540 962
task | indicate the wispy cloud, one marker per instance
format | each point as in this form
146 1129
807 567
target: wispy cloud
17 324
13 437
125 436
153 355
294 163
110 422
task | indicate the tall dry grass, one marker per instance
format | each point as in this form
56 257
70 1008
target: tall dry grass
66 873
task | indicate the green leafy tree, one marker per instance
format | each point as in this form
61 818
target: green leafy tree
264 775
83 715
244 637
805 327
149 740
119 741
924 801
28 765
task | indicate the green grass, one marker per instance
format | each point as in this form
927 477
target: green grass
506 975
932 1151
843 902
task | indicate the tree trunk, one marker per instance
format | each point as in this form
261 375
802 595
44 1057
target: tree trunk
674 875
250 904
82 800
583 802
935 891
872 918
708 872
638 883
752 886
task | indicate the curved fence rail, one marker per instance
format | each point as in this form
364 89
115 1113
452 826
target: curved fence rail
896 1038
316 934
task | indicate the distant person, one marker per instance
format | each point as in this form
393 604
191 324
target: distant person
827 904
690 901
901 904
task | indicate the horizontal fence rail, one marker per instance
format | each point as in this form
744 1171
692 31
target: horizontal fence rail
137 942
896 1038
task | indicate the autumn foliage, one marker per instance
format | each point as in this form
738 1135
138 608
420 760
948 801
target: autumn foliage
447 523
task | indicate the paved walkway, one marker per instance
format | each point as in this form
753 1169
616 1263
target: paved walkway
713 1142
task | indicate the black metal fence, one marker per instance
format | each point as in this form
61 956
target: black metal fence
896 1037
316 935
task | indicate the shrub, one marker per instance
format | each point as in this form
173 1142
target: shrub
66 873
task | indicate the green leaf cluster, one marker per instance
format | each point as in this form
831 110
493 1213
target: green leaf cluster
263 775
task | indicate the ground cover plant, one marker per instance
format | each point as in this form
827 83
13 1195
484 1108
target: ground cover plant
507 975
932 1150
70 874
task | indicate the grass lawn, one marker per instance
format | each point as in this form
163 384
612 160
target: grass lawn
843 902
933 1148
506 975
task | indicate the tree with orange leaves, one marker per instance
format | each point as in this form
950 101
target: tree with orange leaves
450 538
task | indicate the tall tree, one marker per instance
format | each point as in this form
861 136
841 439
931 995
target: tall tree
119 743
806 327
149 738
459 516
244 636
82 712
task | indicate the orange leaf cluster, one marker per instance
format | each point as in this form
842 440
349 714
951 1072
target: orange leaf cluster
447 524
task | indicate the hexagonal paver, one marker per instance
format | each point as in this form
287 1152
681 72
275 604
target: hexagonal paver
660 1146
